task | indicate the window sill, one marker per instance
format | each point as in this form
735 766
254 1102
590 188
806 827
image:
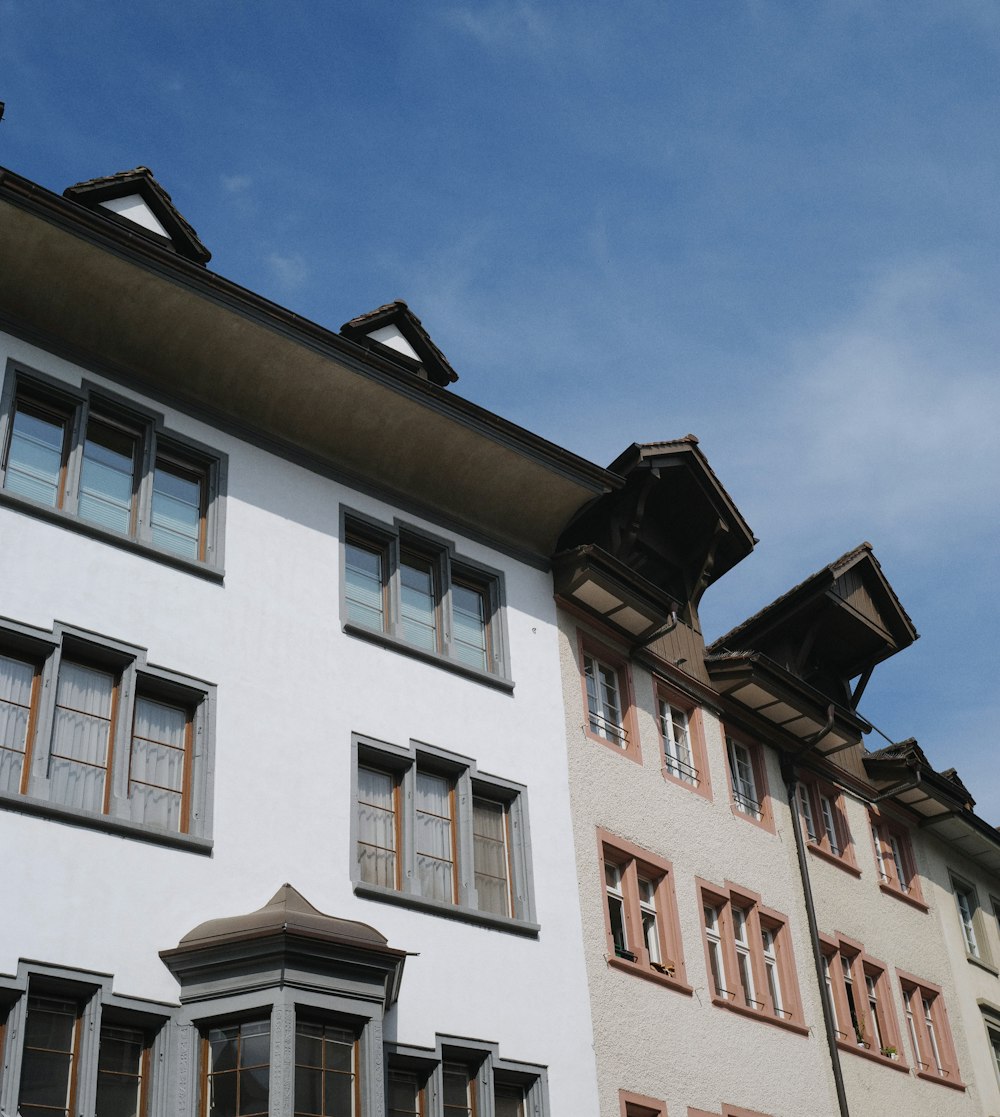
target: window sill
26 805
649 974
904 896
630 751
765 822
873 1056
974 961
955 1084
840 861
701 788
385 640
449 911
124 542
753 1014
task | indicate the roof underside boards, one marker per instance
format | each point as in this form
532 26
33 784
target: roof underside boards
86 287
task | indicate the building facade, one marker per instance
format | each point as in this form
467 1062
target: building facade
283 793
813 922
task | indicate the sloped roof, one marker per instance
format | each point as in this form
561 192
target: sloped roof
782 606
140 180
398 314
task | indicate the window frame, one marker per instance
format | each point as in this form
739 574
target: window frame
134 679
755 751
154 442
639 1105
890 838
723 899
702 781
487 1071
916 993
635 863
468 784
842 954
816 790
604 655
982 955
97 1006
392 543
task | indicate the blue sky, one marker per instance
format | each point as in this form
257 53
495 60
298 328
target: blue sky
772 224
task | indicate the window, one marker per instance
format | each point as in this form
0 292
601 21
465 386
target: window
684 759
641 924
992 1020
636 1105
607 698
326 1070
862 1003
407 1097
49 1058
748 956
122 1071
824 821
461 1078
748 782
971 920
89 730
236 1070
413 593
433 832
929 1033
107 463
894 860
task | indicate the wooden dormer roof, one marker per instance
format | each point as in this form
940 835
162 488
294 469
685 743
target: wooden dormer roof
672 524
151 213
836 625
395 331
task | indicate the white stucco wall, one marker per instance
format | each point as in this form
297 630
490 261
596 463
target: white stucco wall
292 687
685 1050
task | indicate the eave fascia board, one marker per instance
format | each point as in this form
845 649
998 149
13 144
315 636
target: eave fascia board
143 252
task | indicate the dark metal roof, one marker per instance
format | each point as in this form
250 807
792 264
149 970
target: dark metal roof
140 180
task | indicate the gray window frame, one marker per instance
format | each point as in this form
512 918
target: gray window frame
447 564
153 438
479 1055
468 781
93 993
137 676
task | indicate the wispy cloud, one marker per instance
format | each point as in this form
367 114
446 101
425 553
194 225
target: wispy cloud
521 25
236 184
290 271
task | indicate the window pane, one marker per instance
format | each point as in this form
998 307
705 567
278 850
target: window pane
418 613
509 1101
238 1070
16 679
405 1094
468 618
178 499
458 1091
119 1074
434 855
364 585
35 458
489 829
107 479
156 770
603 702
48 1057
325 1070
81 736
377 827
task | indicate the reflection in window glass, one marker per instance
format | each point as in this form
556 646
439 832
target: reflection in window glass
16 684
37 454
238 1070
434 847
178 509
469 628
121 1072
107 480
48 1060
377 827
159 754
81 736
325 1070
491 855
418 614
364 585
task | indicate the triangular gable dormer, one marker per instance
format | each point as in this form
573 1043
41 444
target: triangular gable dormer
834 627
135 199
394 327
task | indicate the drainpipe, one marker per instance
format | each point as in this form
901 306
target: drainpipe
829 1020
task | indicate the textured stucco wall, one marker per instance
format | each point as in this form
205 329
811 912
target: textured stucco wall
292 687
685 1050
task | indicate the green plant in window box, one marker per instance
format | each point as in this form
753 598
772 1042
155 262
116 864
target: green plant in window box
890 1052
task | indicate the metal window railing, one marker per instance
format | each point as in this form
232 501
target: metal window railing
680 768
